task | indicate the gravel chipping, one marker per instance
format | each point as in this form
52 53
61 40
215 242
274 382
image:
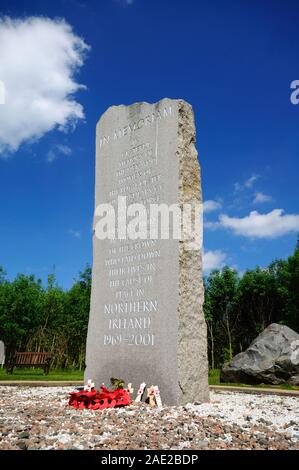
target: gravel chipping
38 418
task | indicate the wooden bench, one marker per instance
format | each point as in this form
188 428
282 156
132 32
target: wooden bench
29 359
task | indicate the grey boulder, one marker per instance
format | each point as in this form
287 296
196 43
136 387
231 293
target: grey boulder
272 358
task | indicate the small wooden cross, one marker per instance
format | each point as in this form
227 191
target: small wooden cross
140 392
157 395
153 396
150 396
89 386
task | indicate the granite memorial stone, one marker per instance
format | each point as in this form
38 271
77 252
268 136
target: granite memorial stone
146 319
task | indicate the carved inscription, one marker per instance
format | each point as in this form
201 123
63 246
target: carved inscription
130 266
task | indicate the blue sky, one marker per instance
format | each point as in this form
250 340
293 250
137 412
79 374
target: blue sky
234 61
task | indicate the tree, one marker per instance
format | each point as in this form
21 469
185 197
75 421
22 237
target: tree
287 279
221 312
256 303
50 334
209 317
76 318
20 310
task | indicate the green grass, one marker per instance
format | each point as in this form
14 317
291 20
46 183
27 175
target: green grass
38 374
214 379
214 376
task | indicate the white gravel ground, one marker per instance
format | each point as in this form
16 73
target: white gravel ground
278 412
39 418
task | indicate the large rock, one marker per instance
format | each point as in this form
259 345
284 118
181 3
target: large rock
272 358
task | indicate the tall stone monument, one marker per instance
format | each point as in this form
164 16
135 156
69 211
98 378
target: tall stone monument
146 319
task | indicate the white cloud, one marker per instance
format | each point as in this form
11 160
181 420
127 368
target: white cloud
213 260
249 183
2 92
260 197
64 149
75 233
54 152
211 225
38 61
256 225
211 205
237 187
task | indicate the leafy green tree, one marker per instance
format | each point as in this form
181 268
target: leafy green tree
50 334
287 280
256 304
76 318
20 310
210 321
221 312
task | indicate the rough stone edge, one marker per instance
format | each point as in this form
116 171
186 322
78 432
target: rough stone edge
192 331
